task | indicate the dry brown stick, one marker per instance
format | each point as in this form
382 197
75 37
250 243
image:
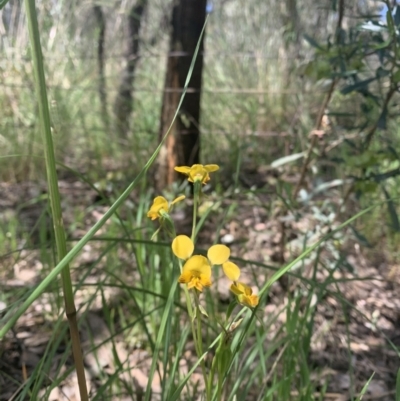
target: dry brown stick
322 109
314 138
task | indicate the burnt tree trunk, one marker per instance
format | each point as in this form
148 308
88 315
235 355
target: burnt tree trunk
182 146
124 101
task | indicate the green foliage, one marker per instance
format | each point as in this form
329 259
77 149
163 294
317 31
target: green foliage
362 60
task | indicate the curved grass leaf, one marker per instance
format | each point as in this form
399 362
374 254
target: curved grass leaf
365 388
3 3
395 224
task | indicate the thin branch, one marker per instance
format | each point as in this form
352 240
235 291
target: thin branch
322 109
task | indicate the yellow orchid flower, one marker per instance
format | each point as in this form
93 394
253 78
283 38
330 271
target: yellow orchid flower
244 294
196 271
198 172
160 204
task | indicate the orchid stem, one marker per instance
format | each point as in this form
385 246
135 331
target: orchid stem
200 345
196 198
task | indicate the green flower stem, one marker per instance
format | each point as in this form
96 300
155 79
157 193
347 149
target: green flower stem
196 201
213 367
191 314
207 383
196 336
54 196
216 362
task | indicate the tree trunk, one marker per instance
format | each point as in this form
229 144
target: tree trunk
182 146
295 25
98 12
124 101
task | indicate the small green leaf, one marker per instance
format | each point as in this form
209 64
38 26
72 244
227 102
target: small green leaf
390 23
224 357
364 160
318 68
203 311
357 86
382 45
313 42
396 76
153 237
366 187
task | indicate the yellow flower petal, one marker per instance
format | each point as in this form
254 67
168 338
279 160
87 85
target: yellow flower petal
218 254
250 301
205 280
235 288
196 273
231 270
199 283
245 294
198 173
183 169
241 289
159 203
178 199
182 247
211 167
198 265
194 282
185 277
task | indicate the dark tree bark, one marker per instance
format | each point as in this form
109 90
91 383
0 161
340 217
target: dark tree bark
291 19
182 146
98 12
293 12
124 101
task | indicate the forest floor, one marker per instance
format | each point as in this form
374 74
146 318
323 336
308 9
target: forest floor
356 319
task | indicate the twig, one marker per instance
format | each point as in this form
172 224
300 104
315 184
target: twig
314 139
374 128
321 111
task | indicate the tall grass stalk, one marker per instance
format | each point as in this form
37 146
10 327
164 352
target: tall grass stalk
54 195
